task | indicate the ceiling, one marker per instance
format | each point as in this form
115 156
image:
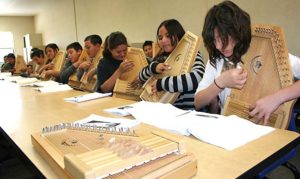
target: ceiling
21 7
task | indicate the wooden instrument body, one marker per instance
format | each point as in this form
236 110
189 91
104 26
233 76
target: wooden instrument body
73 81
155 49
123 88
58 62
268 68
181 61
86 153
90 84
20 65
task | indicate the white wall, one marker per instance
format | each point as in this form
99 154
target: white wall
57 23
139 19
19 26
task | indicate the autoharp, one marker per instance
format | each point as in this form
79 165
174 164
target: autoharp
93 152
58 62
73 81
268 68
155 49
88 83
20 65
181 61
123 88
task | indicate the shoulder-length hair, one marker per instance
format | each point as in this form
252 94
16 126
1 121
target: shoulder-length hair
229 20
175 31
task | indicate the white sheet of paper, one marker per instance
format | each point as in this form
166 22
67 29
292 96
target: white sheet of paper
164 116
45 83
100 121
120 110
54 88
87 97
228 132
24 81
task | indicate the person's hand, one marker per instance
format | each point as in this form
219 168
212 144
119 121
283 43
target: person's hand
90 75
29 70
48 73
136 83
49 66
153 87
161 67
233 78
85 65
126 66
264 107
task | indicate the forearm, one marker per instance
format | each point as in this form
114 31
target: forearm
206 96
109 84
65 74
289 93
55 74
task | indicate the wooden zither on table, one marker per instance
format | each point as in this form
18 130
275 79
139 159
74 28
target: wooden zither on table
93 152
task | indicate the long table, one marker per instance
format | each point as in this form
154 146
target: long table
25 111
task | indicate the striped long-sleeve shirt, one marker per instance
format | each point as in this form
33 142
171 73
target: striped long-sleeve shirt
186 83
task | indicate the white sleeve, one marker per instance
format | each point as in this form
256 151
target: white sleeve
295 65
208 77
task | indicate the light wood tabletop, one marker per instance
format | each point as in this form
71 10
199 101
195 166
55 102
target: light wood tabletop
25 111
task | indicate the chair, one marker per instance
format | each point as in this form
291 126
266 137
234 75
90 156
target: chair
284 161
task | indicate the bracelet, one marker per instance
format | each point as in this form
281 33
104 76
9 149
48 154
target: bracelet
218 85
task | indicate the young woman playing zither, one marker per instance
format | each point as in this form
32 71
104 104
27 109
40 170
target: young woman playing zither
169 33
227 36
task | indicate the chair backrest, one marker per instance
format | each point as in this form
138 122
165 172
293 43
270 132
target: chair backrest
268 67
90 85
123 88
73 81
181 61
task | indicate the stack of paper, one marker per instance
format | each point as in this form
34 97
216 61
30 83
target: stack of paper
44 83
228 132
160 115
25 81
87 97
121 110
5 75
100 121
54 88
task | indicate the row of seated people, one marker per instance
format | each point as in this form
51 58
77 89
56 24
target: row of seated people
9 63
226 39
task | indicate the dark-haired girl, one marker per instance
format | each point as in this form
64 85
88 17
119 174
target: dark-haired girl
169 33
113 63
227 36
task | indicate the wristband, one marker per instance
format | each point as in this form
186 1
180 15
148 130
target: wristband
218 85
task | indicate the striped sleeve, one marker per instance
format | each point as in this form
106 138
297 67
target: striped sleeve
184 82
147 71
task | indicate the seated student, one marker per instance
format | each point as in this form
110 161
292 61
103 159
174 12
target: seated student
9 66
38 58
51 50
227 36
265 106
147 47
4 61
169 33
92 44
70 67
113 63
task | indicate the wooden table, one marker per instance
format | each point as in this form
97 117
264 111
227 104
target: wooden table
25 111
